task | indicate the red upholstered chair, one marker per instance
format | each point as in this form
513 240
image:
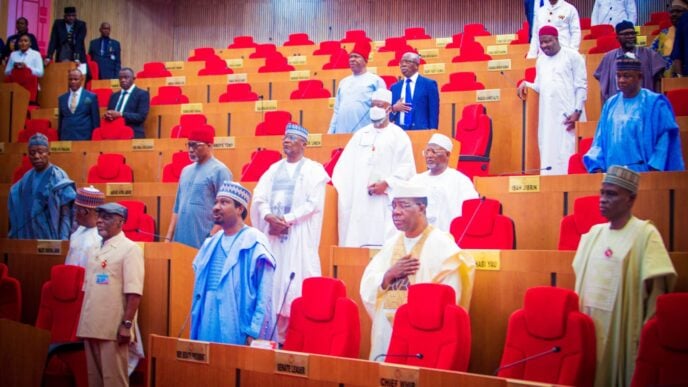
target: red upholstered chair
263 50
604 44
299 39
275 63
25 79
396 44
522 35
215 66
662 26
397 58
576 166
663 352
172 171
328 47
586 213
415 33
37 125
658 17
474 131
352 36
61 300
678 98
389 80
432 325
10 295
139 227
274 123
481 226
473 166
599 31
202 54
585 23
323 320
310 88
332 162
550 319
457 41
24 167
338 60
462 81
153 70
169 95
475 29
471 51
110 168
103 96
529 74
186 123
112 130
243 41
238 92
93 69
261 160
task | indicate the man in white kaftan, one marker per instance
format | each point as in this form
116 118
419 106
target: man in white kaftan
562 83
621 268
447 187
561 15
417 253
288 204
613 12
85 241
374 160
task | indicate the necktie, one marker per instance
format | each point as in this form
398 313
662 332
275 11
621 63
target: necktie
72 103
408 98
120 103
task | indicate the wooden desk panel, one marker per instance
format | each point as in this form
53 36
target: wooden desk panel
53 83
14 102
23 351
674 83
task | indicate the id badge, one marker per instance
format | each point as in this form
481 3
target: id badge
102 279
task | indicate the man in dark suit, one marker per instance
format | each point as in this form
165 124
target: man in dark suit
130 102
78 110
22 26
417 103
67 39
107 53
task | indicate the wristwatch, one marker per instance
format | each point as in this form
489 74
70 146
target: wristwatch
127 323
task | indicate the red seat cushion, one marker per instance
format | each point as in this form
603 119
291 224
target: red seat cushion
110 167
678 98
462 81
172 171
486 230
238 92
311 88
274 123
61 300
139 226
10 295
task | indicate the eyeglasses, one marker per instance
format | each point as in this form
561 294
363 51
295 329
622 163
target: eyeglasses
433 152
194 144
404 206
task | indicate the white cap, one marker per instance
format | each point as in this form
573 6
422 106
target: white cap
382 95
441 140
405 189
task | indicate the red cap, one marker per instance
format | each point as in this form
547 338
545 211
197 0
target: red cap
362 48
548 30
203 133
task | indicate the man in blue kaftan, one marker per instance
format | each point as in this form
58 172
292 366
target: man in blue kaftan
637 127
40 204
232 299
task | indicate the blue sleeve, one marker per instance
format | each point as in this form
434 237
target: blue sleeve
594 160
95 113
262 320
434 105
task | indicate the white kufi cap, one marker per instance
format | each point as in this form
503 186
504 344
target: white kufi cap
382 95
441 140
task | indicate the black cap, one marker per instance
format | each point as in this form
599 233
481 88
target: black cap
69 10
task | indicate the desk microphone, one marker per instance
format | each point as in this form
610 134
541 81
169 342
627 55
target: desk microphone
284 299
470 221
418 355
526 359
526 171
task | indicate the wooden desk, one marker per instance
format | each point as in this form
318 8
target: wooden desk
14 101
53 83
23 351
674 83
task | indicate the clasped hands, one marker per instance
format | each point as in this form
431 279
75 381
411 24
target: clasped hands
277 224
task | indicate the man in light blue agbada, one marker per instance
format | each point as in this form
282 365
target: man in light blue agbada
40 204
637 128
232 298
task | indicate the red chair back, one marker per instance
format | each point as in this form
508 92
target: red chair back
323 320
25 79
585 23
600 30
462 81
275 62
24 167
37 125
474 131
328 47
475 29
139 226
238 92
202 54
481 226
299 39
186 123
274 123
169 95
678 98
10 295
339 59
605 44
309 89
263 50
243 41
352 36
471 51
110 168
61 299
431 324
332 162
112 130
172 171
416 33
576 165
154 70
261 160
103 96
586 213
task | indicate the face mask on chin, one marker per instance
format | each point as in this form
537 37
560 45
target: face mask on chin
377 114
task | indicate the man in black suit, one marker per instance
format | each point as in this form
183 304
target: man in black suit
67 39
78 110
107 53
130 102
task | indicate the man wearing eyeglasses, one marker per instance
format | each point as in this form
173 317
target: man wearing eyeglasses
288 205
85 241
199 182
653 64
417 253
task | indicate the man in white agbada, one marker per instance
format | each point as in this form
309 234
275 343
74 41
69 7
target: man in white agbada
374 160
288 206
447 187
561 15
417 253
562 82
85 241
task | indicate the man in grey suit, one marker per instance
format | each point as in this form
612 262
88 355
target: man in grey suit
78 110
130 103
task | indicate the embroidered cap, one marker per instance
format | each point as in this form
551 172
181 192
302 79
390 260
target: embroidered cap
89 197
441 140
628 62
236 191
383 95
39 139
623 177
404 189
548 30
296 130
113 208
